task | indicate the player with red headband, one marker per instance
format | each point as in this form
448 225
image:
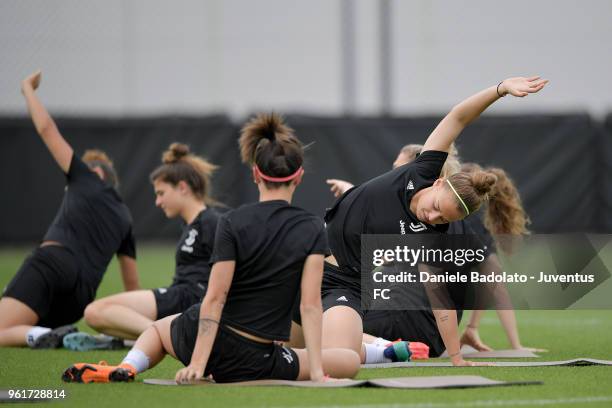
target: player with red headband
264 254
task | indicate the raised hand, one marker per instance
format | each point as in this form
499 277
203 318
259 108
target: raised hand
32 81
521 86
338 187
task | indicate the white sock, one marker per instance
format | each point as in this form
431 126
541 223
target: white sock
380 342
34 333
137 359
375 354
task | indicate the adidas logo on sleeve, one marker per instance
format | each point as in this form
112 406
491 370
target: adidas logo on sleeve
410 185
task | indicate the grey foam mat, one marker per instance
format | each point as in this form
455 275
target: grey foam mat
448 381
470 352
259 383
572 363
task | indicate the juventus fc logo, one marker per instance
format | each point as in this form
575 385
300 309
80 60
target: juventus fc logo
188 245
287 355
417 226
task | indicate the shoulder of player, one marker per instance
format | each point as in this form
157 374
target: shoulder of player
431 155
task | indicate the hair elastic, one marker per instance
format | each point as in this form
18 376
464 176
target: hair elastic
297 173
460 200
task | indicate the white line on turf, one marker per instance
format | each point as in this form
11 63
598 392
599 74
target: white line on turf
480 403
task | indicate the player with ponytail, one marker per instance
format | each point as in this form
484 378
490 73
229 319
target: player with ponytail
182 190
265 254
410 199
59 279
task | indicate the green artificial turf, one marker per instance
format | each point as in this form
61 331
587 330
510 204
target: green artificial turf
567 334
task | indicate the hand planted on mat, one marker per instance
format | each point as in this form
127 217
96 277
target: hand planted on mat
471 338
521 86
32 81
465 363
189 373
338 187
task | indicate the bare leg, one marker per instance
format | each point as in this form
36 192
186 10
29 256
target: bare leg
470 336
337 362
124 315
155 342
343 328
16 319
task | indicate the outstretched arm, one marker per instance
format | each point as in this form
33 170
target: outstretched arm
219 284
45 126
467 111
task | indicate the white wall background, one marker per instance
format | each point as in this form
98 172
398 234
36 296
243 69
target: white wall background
118 57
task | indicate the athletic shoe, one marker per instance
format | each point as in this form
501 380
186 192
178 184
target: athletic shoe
98 373
53 338
420 351
406 350
398 351
85 342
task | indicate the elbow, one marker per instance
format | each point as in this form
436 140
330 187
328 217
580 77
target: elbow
311 307
46 128
213 301
459 116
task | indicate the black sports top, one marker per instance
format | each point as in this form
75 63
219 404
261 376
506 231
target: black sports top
92 222
195 247
380 206
270 241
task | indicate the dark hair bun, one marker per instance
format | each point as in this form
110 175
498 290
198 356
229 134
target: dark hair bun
175 152
263 129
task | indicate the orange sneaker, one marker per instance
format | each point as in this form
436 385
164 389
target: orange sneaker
99 373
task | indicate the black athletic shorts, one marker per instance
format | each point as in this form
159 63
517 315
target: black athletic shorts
337 290
410 325
49 282
177 298
233 357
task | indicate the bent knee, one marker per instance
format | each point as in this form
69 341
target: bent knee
341 362
352 363
94 314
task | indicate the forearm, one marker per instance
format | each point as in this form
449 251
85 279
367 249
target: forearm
39 114
449 331
45 126
208 326
471 108
312 316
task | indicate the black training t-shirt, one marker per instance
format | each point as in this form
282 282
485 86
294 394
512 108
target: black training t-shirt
195 247
270 241
93 222
380 206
